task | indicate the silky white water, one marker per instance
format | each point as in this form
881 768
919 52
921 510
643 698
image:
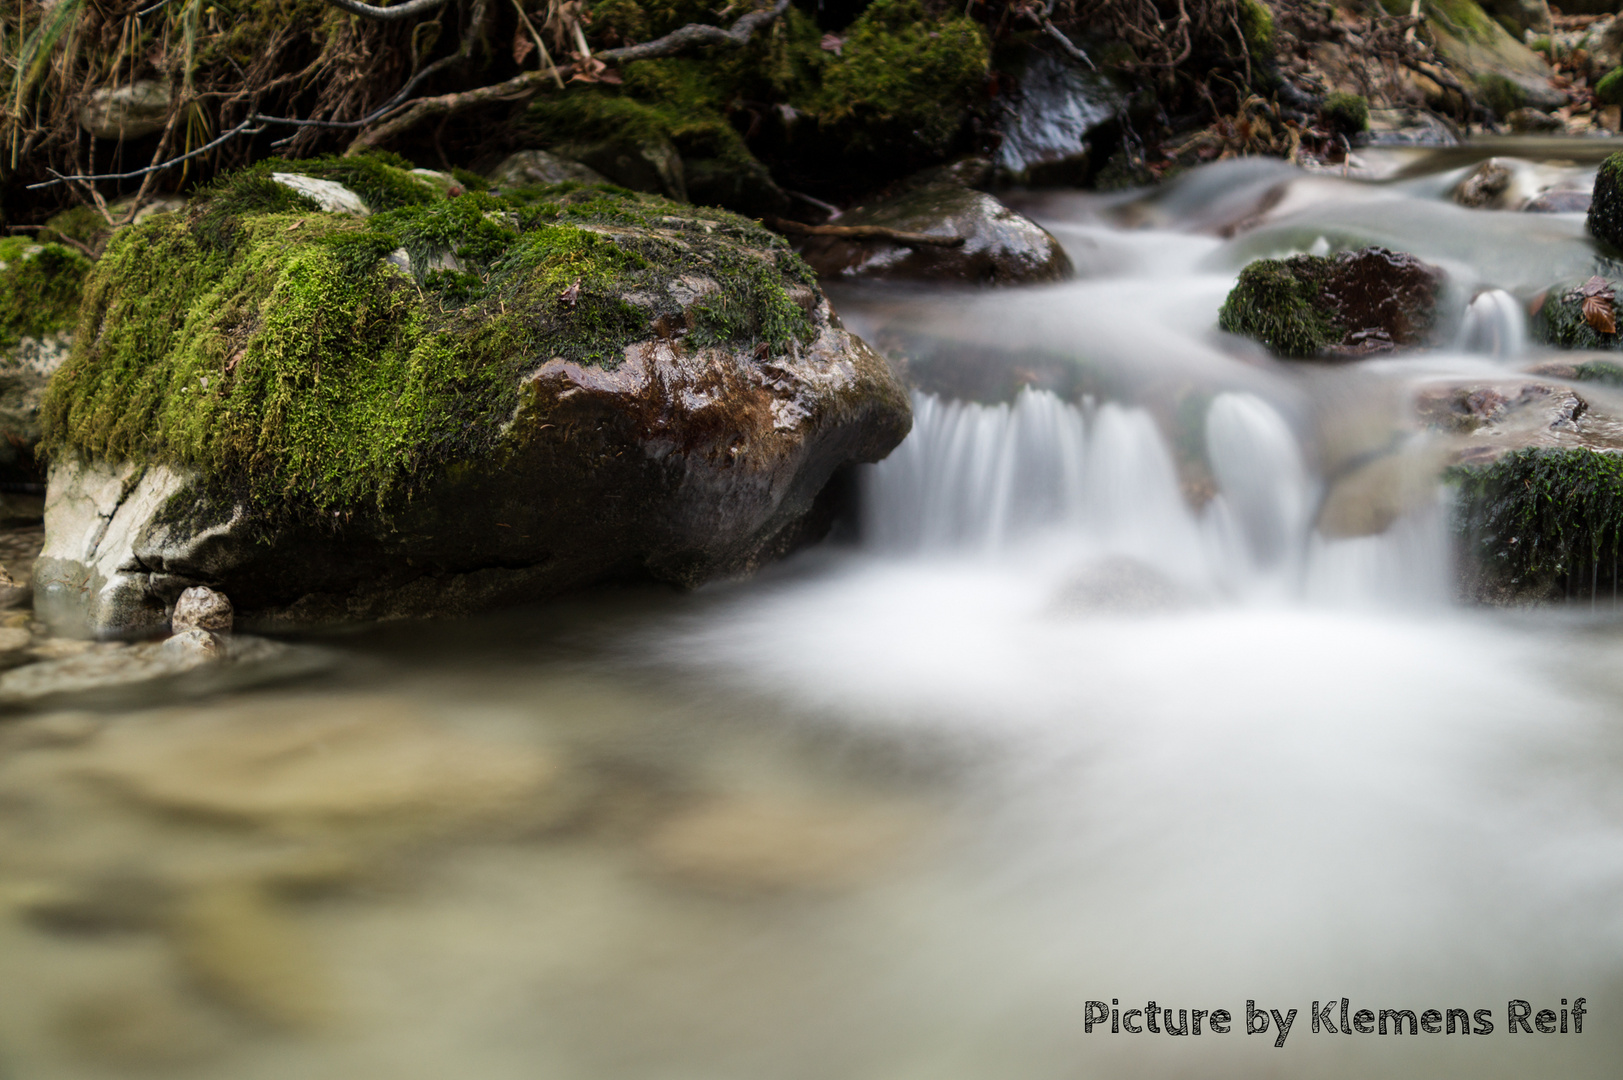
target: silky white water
1135 673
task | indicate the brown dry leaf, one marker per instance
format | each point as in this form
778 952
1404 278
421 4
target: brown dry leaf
1599 314
522 46
571 294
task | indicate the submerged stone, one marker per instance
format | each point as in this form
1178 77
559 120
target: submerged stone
605 385
1001 246
1356 303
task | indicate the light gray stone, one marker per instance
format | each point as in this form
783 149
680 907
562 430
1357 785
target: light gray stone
127 112
201 608
330 195
539 167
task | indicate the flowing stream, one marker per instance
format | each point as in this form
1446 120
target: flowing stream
1113 687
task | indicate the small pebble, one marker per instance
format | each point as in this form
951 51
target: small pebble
201 608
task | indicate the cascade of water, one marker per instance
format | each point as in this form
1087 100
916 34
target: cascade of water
1494 324
1003 481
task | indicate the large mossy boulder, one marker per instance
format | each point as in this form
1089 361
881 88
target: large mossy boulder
39 304
1000 246
1344 306
448 404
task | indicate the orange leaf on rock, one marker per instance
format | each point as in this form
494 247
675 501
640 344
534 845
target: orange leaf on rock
1600 315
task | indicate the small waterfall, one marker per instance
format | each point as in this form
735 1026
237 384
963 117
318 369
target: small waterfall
1494 325
1040 480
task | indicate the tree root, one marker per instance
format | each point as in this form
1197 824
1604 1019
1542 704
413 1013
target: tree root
864 232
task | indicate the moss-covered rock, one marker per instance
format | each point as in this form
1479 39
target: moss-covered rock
1492 64
1346 113
1605 219
1353 304
451 402
1609 91
39 304
1563 320
1541 523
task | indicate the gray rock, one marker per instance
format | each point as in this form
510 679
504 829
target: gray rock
1001 246
1408 127
644 164
330 195
194 644
1560 201
201 608
127 112
25 370
539 167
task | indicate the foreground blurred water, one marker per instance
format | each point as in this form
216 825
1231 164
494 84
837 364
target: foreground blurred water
1087 703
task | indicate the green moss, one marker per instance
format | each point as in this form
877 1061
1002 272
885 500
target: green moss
279 351
1346 113
1257 26
1538 518
82 223
1501 94
1609 91
1464 17
1560 321
39 288
1278 302
1600 371
903 80
1543 45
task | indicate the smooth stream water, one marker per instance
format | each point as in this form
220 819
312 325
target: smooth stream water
1088 703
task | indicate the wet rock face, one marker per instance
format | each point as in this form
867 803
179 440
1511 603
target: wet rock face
1357 303
1001 246
1045 134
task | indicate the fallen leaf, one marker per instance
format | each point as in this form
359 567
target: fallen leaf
1598 313
832 43
522 46
571 294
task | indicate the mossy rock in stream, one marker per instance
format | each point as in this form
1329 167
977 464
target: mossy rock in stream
452 402
1540 523
1353 304
1605 221
1561 320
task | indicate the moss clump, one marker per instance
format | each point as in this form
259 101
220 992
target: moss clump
39 288
903 80
1543 518
1609 91
1257 26
281 352
1560 321
1279 302
1501 94
1346 113
1600 371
